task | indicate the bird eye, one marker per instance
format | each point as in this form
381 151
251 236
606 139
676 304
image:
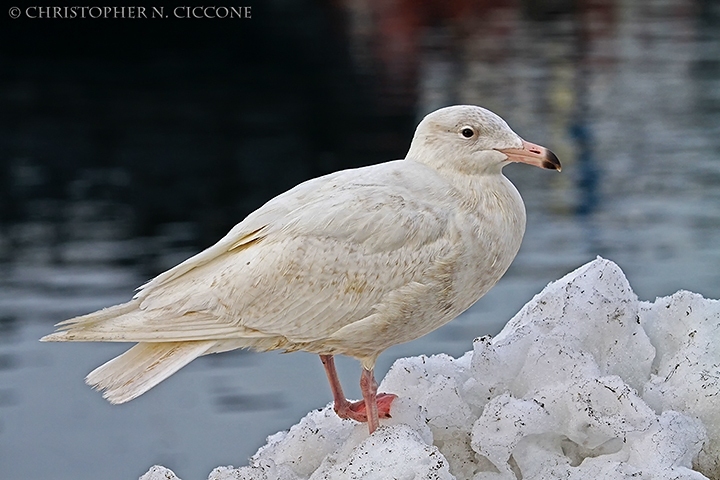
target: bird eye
467 132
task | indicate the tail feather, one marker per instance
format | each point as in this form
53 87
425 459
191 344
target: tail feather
142 367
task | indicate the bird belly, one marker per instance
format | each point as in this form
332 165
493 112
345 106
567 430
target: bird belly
454 282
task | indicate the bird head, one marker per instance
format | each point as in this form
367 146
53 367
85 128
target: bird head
473 140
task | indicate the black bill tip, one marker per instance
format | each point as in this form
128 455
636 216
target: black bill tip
551 161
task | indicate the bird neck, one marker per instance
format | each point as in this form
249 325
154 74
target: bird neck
448 162
489 192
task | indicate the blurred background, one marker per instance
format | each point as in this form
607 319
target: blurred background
128 145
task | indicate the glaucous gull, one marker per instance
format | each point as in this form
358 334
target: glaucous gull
349 263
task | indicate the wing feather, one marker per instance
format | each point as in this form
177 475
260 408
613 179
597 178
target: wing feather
309 262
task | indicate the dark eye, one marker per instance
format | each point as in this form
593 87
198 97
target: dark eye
467 132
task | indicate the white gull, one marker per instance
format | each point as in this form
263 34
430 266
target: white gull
349 263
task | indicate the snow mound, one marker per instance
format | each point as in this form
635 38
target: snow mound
584 382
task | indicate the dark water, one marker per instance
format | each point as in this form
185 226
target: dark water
128 146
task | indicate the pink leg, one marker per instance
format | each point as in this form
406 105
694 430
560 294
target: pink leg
377 405
368 387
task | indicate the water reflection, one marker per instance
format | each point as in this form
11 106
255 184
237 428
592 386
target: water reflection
115 169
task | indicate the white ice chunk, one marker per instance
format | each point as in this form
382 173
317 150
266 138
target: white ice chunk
159 473
395 451
685 329
584 382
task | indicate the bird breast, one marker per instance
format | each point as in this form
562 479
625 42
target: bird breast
479 243
489 231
